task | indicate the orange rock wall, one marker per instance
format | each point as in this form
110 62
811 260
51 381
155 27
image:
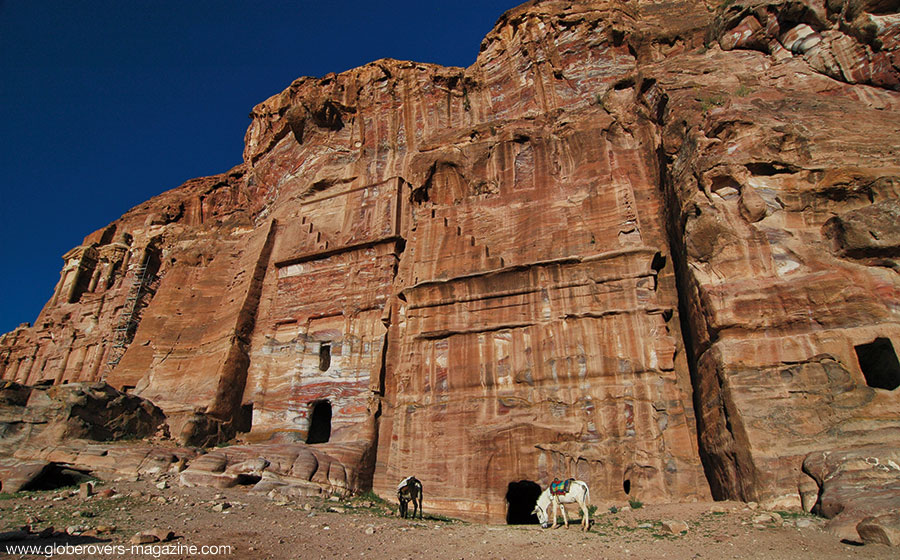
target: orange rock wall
333 273
537 266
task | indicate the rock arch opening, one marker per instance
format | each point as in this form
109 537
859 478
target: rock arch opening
626 486
521 497
319 423
879 365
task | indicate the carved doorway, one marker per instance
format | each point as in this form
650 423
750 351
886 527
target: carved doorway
319 423
521 497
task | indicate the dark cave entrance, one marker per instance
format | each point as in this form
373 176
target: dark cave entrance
55 476
879 365
245 479
521 497
319 423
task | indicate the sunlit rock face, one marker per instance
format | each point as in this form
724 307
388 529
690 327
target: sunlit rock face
783 186
540 265
520 310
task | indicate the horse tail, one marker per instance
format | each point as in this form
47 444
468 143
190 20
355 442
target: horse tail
587 494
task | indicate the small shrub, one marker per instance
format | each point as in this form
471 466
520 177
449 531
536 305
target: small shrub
794 514
613 509
636 504
707 102
438 517
743 91
371 496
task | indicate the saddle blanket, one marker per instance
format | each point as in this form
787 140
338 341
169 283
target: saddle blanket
560 487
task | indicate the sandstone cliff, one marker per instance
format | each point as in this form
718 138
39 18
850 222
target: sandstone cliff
653 245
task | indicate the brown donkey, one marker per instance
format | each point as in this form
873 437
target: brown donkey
410 490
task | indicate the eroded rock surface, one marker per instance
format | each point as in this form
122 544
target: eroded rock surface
288 470
860 489
53 432
34 417
649 244
55 435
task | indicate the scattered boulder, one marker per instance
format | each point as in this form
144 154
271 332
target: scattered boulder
768 518
160 534
673 527
153 535
76 530
143 538
881 529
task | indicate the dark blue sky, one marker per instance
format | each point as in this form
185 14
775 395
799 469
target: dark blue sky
104 104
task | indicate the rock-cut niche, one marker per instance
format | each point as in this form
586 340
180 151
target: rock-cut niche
879 365
324 356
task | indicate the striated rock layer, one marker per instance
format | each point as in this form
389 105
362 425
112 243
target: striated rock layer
541 265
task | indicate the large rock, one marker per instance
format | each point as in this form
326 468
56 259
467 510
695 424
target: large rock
16 475
285 469
872 231
881 529
536 266
859 491
53 435
55 414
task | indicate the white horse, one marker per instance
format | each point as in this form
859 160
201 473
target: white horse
577 493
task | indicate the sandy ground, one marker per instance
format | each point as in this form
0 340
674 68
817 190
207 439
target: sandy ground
237 524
